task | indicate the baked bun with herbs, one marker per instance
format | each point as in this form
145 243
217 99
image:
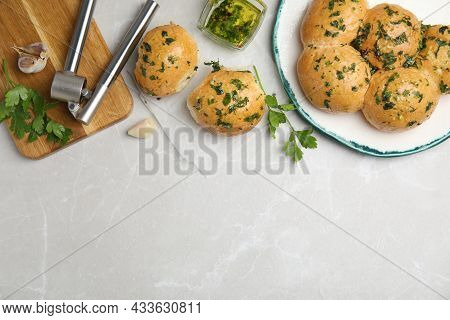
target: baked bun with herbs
389 37
227 102
332 22
334 79
400 99
436 52
167 60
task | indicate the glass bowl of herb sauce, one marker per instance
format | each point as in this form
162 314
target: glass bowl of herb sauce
232 23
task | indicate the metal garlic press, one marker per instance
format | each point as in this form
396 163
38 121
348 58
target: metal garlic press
69 87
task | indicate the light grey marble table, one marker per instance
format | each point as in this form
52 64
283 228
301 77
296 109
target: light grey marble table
94 221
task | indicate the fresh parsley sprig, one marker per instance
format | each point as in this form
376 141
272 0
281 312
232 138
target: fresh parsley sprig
298 139
27 110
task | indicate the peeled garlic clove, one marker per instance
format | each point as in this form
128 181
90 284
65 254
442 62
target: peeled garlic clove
143 129
31 64
32 58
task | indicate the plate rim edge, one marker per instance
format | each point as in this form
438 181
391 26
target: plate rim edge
350 144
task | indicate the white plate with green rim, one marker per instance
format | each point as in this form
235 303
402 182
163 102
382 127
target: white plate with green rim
353 130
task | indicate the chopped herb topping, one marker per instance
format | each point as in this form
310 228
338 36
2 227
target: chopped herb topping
172 59
224 124
388 106
443 29
390 12
253 117
215 65
226 101
444 87
386 94
240 103
147 47
143 71
328 33
363 34
167 39
440 44
163 67
335 14
400 39
409 62
405 20
238 84
216 87
338 24
388 59
418 95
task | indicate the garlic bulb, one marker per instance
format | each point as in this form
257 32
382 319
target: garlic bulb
32 58
143 129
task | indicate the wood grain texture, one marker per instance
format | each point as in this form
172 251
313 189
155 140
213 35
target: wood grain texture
52 21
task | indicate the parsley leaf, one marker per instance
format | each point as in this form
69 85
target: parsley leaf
271 101
291 148
27 111
306 139
55 128
38 124
287 107
15 95
275 119
3 111
297 139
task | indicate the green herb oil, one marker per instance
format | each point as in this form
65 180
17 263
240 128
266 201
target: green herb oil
234 21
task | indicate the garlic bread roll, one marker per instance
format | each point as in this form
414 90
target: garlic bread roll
167 60
334 79
400 99
228 102
332 22
389 37
437 52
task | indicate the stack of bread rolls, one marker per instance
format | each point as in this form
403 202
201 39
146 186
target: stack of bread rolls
381 61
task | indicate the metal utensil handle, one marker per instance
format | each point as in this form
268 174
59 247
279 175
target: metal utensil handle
129 43
79 35
123 53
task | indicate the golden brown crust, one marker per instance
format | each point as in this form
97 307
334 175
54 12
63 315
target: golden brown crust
167 60
334 79
389 36
227 102
437 53
400 99
332 22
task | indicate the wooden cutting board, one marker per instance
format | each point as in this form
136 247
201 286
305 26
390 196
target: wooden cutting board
52 21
